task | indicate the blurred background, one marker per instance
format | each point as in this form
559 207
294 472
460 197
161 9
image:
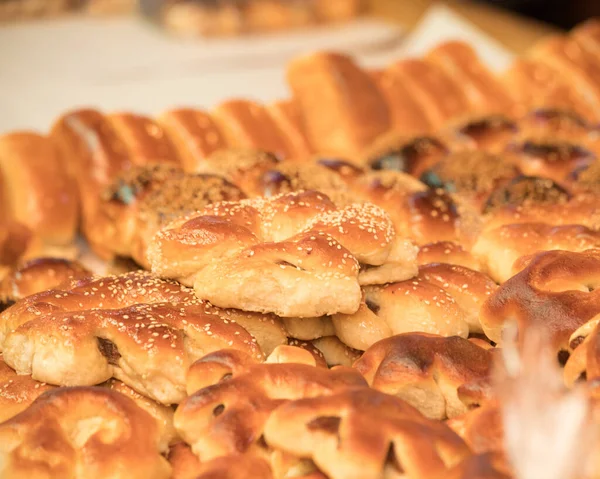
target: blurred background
150 55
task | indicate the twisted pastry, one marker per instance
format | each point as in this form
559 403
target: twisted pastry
427 371
294 254
94 432
364 434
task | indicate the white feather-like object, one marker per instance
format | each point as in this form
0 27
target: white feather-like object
549 433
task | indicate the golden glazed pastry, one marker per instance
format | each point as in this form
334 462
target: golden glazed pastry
93 432
138 203
38 191
426 371
342 108
37 275
298 252
365 434
556 290
483 91
444 300
499 249
228 414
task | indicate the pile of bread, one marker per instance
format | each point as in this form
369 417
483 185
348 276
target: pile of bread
316 288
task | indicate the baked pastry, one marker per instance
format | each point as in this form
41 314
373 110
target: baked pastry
536 84
111 326
499 249
482 466
551 292
106 435
570 61
245 168
483 91
406 115
396 152
194 134
37 275
228 414
447 252
144 199
247 124
274 244
490 133
426 371
342 108
286 116
440 96
378 434
407 306
38 191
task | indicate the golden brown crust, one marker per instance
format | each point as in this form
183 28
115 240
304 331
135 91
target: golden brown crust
415 305
247 124
491 133
288 119
425 370
93 154
144 140
138 203
194 134
106 435
148 347
38 275
244 168
397 152
573 63
342 108
482 466
38 190
17 392
482 428
279 242
552 292
349 434
439 95
484 92
535 84
136 288
499 249
447 252
227 415
406 114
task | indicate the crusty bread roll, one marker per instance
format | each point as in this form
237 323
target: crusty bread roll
95 432
286 116
37 275
295 254
499 249
342 108
425 370
570 61
38 189
227 417
440 96
247 124
407 116
193 133
364 433
556 291
483 90
144 199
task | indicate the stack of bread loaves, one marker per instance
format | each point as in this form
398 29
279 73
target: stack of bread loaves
317 288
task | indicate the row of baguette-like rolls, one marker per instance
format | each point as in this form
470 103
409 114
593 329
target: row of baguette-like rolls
52 185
